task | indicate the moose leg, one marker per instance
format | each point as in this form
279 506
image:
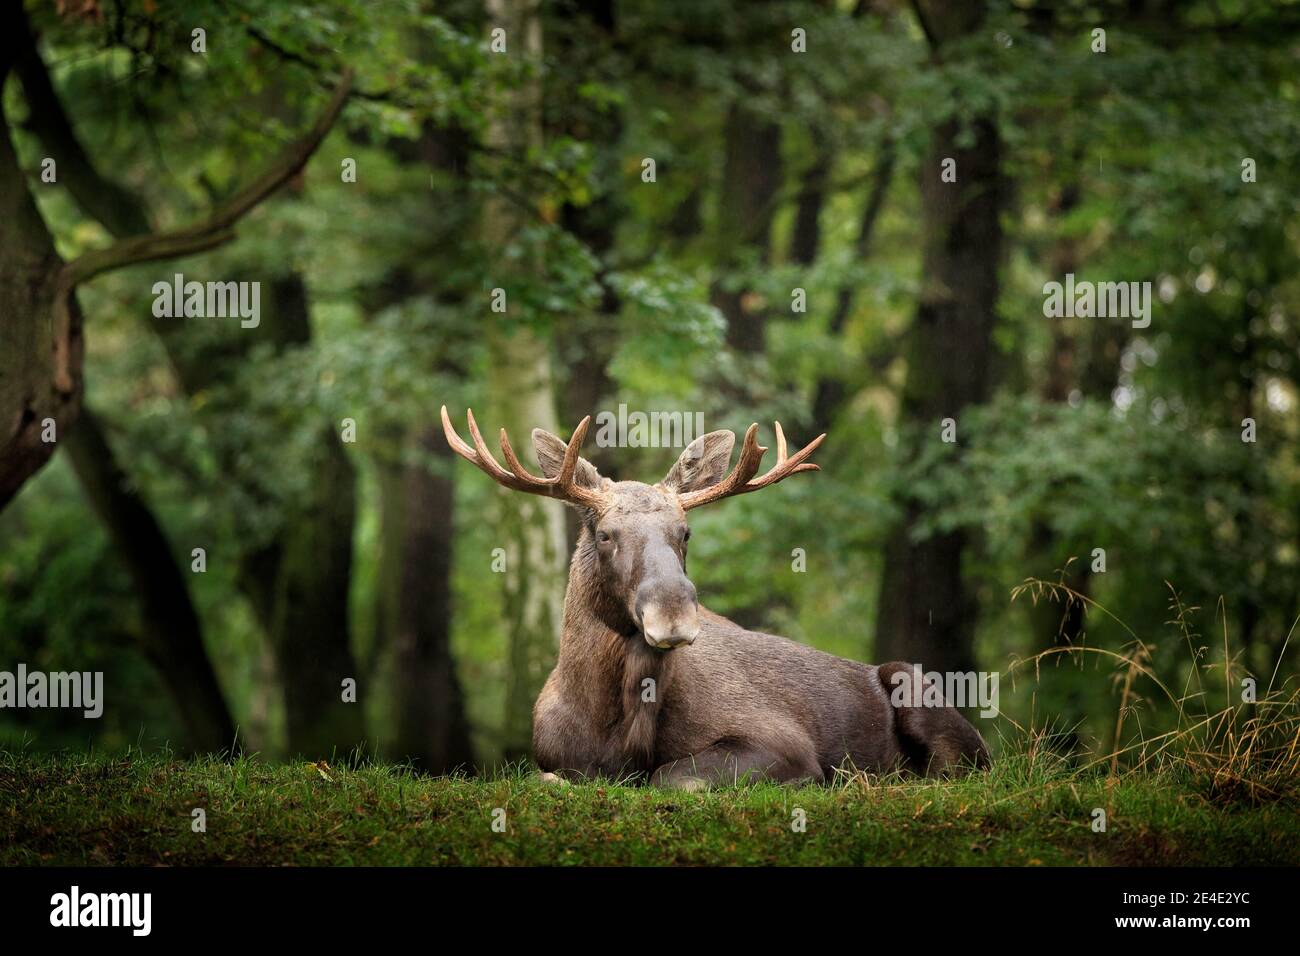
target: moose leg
935 740
730 762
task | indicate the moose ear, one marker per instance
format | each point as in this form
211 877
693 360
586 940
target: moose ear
702 464
550 455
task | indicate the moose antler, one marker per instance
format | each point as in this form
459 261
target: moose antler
751 455
562 486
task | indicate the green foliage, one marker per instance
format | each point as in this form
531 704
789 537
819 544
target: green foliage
64 599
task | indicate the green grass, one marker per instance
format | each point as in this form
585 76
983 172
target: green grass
136 809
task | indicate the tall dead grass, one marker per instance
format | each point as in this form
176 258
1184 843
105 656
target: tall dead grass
1237 739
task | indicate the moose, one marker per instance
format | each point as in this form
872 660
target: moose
651 685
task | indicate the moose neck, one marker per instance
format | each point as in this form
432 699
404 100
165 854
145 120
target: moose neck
604 660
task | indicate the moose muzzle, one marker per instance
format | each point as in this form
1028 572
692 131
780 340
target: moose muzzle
668 614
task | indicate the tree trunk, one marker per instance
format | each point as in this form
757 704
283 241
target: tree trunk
309 629
926 613
751 177
531 530
521 386
299 586
415 608
830 391
806 237
584 345
172 639
1056 624
35 387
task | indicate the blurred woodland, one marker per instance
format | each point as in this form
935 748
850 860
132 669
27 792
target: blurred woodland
792 253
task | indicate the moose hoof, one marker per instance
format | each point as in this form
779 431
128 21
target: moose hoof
554 780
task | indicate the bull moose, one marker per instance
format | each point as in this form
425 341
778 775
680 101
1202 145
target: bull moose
724 704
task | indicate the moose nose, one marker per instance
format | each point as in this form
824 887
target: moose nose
668 618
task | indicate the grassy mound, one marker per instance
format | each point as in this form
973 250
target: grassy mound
138 809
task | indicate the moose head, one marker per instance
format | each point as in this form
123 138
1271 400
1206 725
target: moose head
634 535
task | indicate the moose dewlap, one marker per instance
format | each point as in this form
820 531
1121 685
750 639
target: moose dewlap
650 683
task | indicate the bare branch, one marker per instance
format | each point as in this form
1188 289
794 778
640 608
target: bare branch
219 226
213 231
